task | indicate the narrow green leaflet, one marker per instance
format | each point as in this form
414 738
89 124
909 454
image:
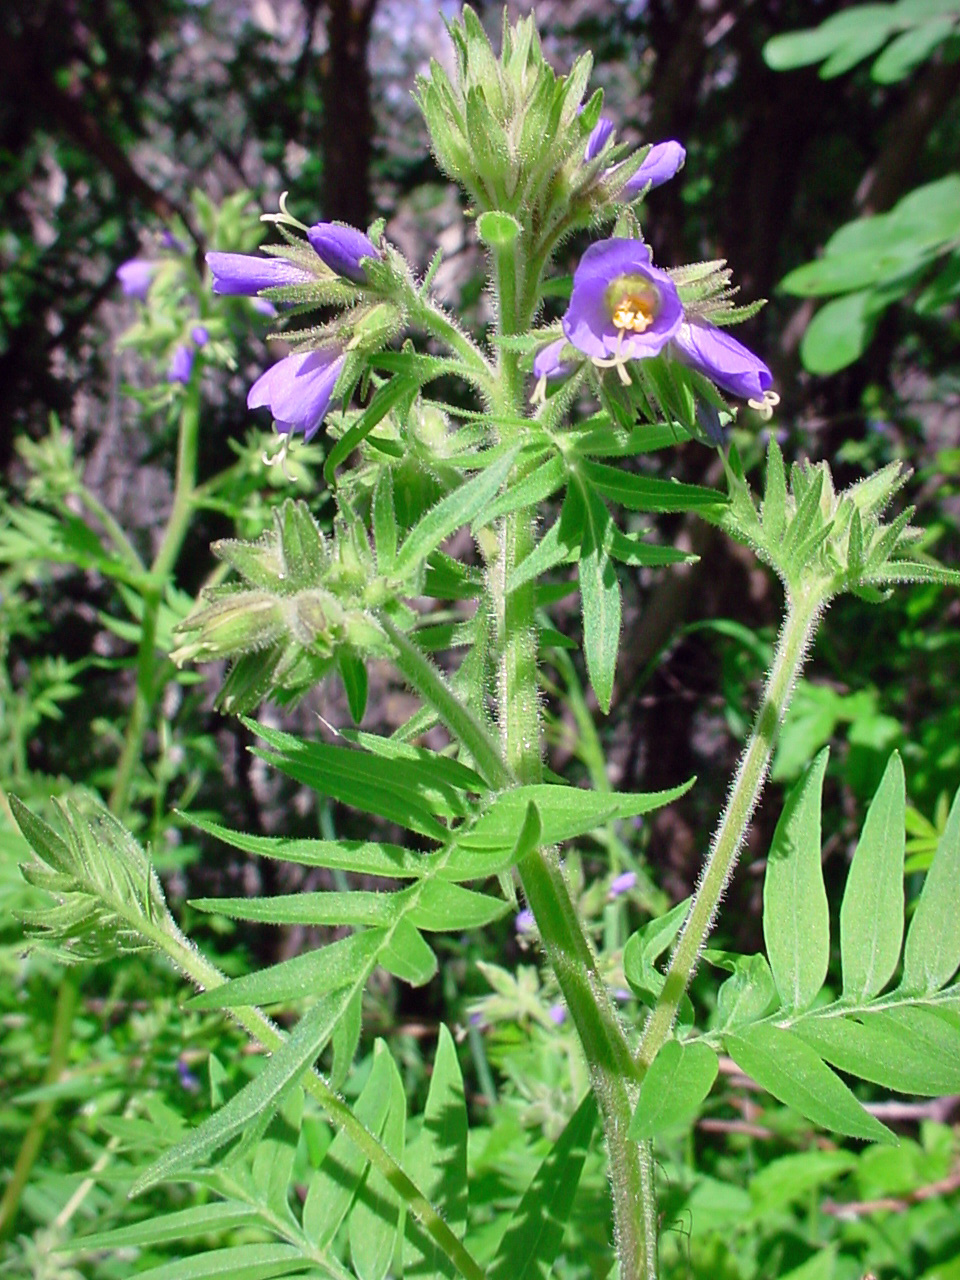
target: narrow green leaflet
205 1219
452 512
535 1232
565 812
262 1095
376 1216
437 1161
674 1088
243 1262
439 905
932 951
353 673
334 1186
648 493
559 545
407 955
420 774
796 915
794 1073
600 599
314 973
355 907
910 1049
534 488
871 915
384 399
361 856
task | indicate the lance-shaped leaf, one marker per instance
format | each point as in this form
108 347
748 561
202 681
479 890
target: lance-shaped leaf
600 599
932 951
673 1090
871 915
796 916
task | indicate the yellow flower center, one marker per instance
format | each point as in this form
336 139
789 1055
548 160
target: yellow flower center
633 302
633 313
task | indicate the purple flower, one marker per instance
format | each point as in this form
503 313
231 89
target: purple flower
169 241
622 883
598 138
557 1014
297 389
200 335
725 361
524 921
264 306
659 165
622 307
342 249
188 1080
547 363
181 366
244 273
135 275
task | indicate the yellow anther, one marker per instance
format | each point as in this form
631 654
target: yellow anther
634 313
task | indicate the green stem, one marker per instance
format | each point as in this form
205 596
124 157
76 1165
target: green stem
164 561
432 318
61 1036
423 676
612 1072
799 625
206 976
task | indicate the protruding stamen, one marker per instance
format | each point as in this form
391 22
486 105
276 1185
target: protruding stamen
765 405
284 216
279 458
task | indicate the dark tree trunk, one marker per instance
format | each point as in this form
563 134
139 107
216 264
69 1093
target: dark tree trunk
347 127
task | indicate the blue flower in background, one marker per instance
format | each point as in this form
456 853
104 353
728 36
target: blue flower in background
297 390
135 276
181 366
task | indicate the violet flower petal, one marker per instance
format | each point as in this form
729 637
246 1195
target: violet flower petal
244 273
342 249
200 334
598 138
135 275
588 323
725 361
297 390
547 363
622 883
659 165
181 365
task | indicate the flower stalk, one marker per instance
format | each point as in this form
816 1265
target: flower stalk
803 612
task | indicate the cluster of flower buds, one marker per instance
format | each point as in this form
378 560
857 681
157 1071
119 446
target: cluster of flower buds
305 601
335 265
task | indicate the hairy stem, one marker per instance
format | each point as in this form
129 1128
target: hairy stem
423 676
164 561
799 625
612 1071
